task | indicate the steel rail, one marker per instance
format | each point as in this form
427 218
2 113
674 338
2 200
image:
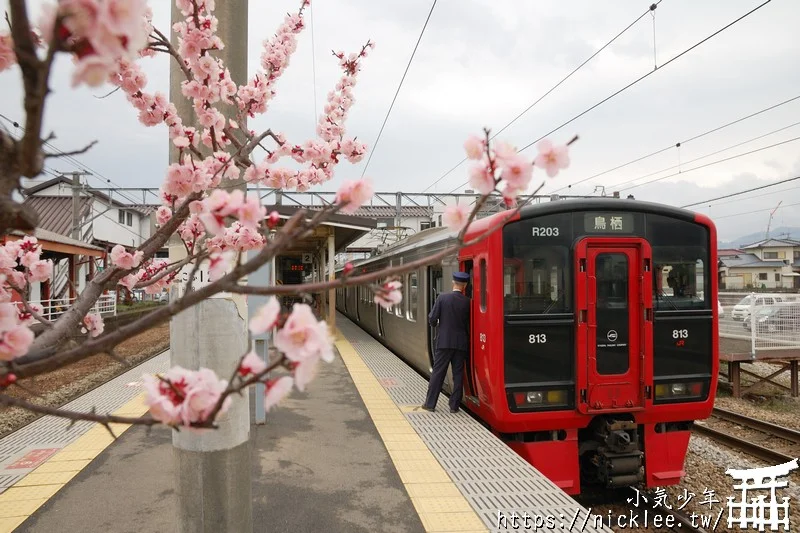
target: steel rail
790 435
766 454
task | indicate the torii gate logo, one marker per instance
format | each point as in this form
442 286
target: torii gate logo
759 512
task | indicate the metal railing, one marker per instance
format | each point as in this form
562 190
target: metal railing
770 321
53 309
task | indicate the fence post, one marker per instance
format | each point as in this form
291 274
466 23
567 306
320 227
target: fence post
753 325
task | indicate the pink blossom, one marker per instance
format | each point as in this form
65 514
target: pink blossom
123 17
304 373
220 264
517 172
389 294
184 396
40 271
352 194
130 281
277 390
202 395
163 214
481 179
303 337
551 158
26 318
504 151
8 259
251 364
266 317
8 316
7 55
474 146
251 212
456 216
181 142
124 259
15 342
94 323
16 279
92 70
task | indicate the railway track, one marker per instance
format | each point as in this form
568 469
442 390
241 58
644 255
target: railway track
772 430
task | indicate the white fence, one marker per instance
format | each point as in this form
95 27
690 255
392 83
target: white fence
769 321
53 309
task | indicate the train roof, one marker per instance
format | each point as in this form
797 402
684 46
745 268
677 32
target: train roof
441 233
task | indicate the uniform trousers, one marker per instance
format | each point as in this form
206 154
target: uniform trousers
443 359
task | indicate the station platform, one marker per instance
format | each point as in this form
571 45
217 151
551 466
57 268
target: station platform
352 453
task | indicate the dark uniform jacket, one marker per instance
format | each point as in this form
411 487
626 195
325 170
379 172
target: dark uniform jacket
451 311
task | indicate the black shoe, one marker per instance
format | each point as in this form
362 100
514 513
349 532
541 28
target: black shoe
453 410
431 409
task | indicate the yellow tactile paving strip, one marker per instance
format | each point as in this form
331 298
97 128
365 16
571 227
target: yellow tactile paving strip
32 491
437 500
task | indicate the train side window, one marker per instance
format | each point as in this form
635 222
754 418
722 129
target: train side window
412 295
482 268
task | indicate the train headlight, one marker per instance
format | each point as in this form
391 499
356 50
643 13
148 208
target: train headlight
679 391
534 397
541 398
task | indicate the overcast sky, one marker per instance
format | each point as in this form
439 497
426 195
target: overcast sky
480 63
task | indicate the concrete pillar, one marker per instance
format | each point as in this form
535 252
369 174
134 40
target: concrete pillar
212 469
331 277
264 276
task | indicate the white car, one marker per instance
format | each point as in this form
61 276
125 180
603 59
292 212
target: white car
720 309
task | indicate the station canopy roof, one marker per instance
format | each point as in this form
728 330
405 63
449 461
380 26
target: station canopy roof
346 229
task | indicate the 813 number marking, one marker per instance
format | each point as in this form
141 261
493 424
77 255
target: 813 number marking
537 339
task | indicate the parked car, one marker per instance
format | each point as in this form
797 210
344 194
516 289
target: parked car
778 317
742 309
720 309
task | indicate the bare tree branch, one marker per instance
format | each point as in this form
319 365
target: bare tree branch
75 415
73 152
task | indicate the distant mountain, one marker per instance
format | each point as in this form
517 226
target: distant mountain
776 233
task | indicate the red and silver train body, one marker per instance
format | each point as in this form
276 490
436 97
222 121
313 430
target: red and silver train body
594 332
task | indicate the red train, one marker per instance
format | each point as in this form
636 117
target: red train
594 333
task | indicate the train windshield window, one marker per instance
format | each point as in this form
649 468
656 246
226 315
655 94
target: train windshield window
536 280
680 278
483 284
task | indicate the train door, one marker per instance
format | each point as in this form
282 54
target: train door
469 367
434 290
614 300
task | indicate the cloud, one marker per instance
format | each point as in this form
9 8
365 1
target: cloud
480 63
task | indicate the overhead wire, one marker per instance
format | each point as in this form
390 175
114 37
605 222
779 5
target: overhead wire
710 164
756 211
680 164
554 87
742 192
680 143
641 78
391 106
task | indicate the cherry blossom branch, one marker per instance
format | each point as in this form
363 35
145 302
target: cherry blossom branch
169 269
46 358
76 416
162 40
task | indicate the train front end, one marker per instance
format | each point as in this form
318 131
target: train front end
595 340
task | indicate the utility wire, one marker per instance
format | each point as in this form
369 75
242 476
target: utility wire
743 192
375 145
716 204
651 9
678 144
710 164
72 160
620 186
606 99
756 211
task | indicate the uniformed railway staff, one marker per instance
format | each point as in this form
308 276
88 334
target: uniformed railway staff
451 313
